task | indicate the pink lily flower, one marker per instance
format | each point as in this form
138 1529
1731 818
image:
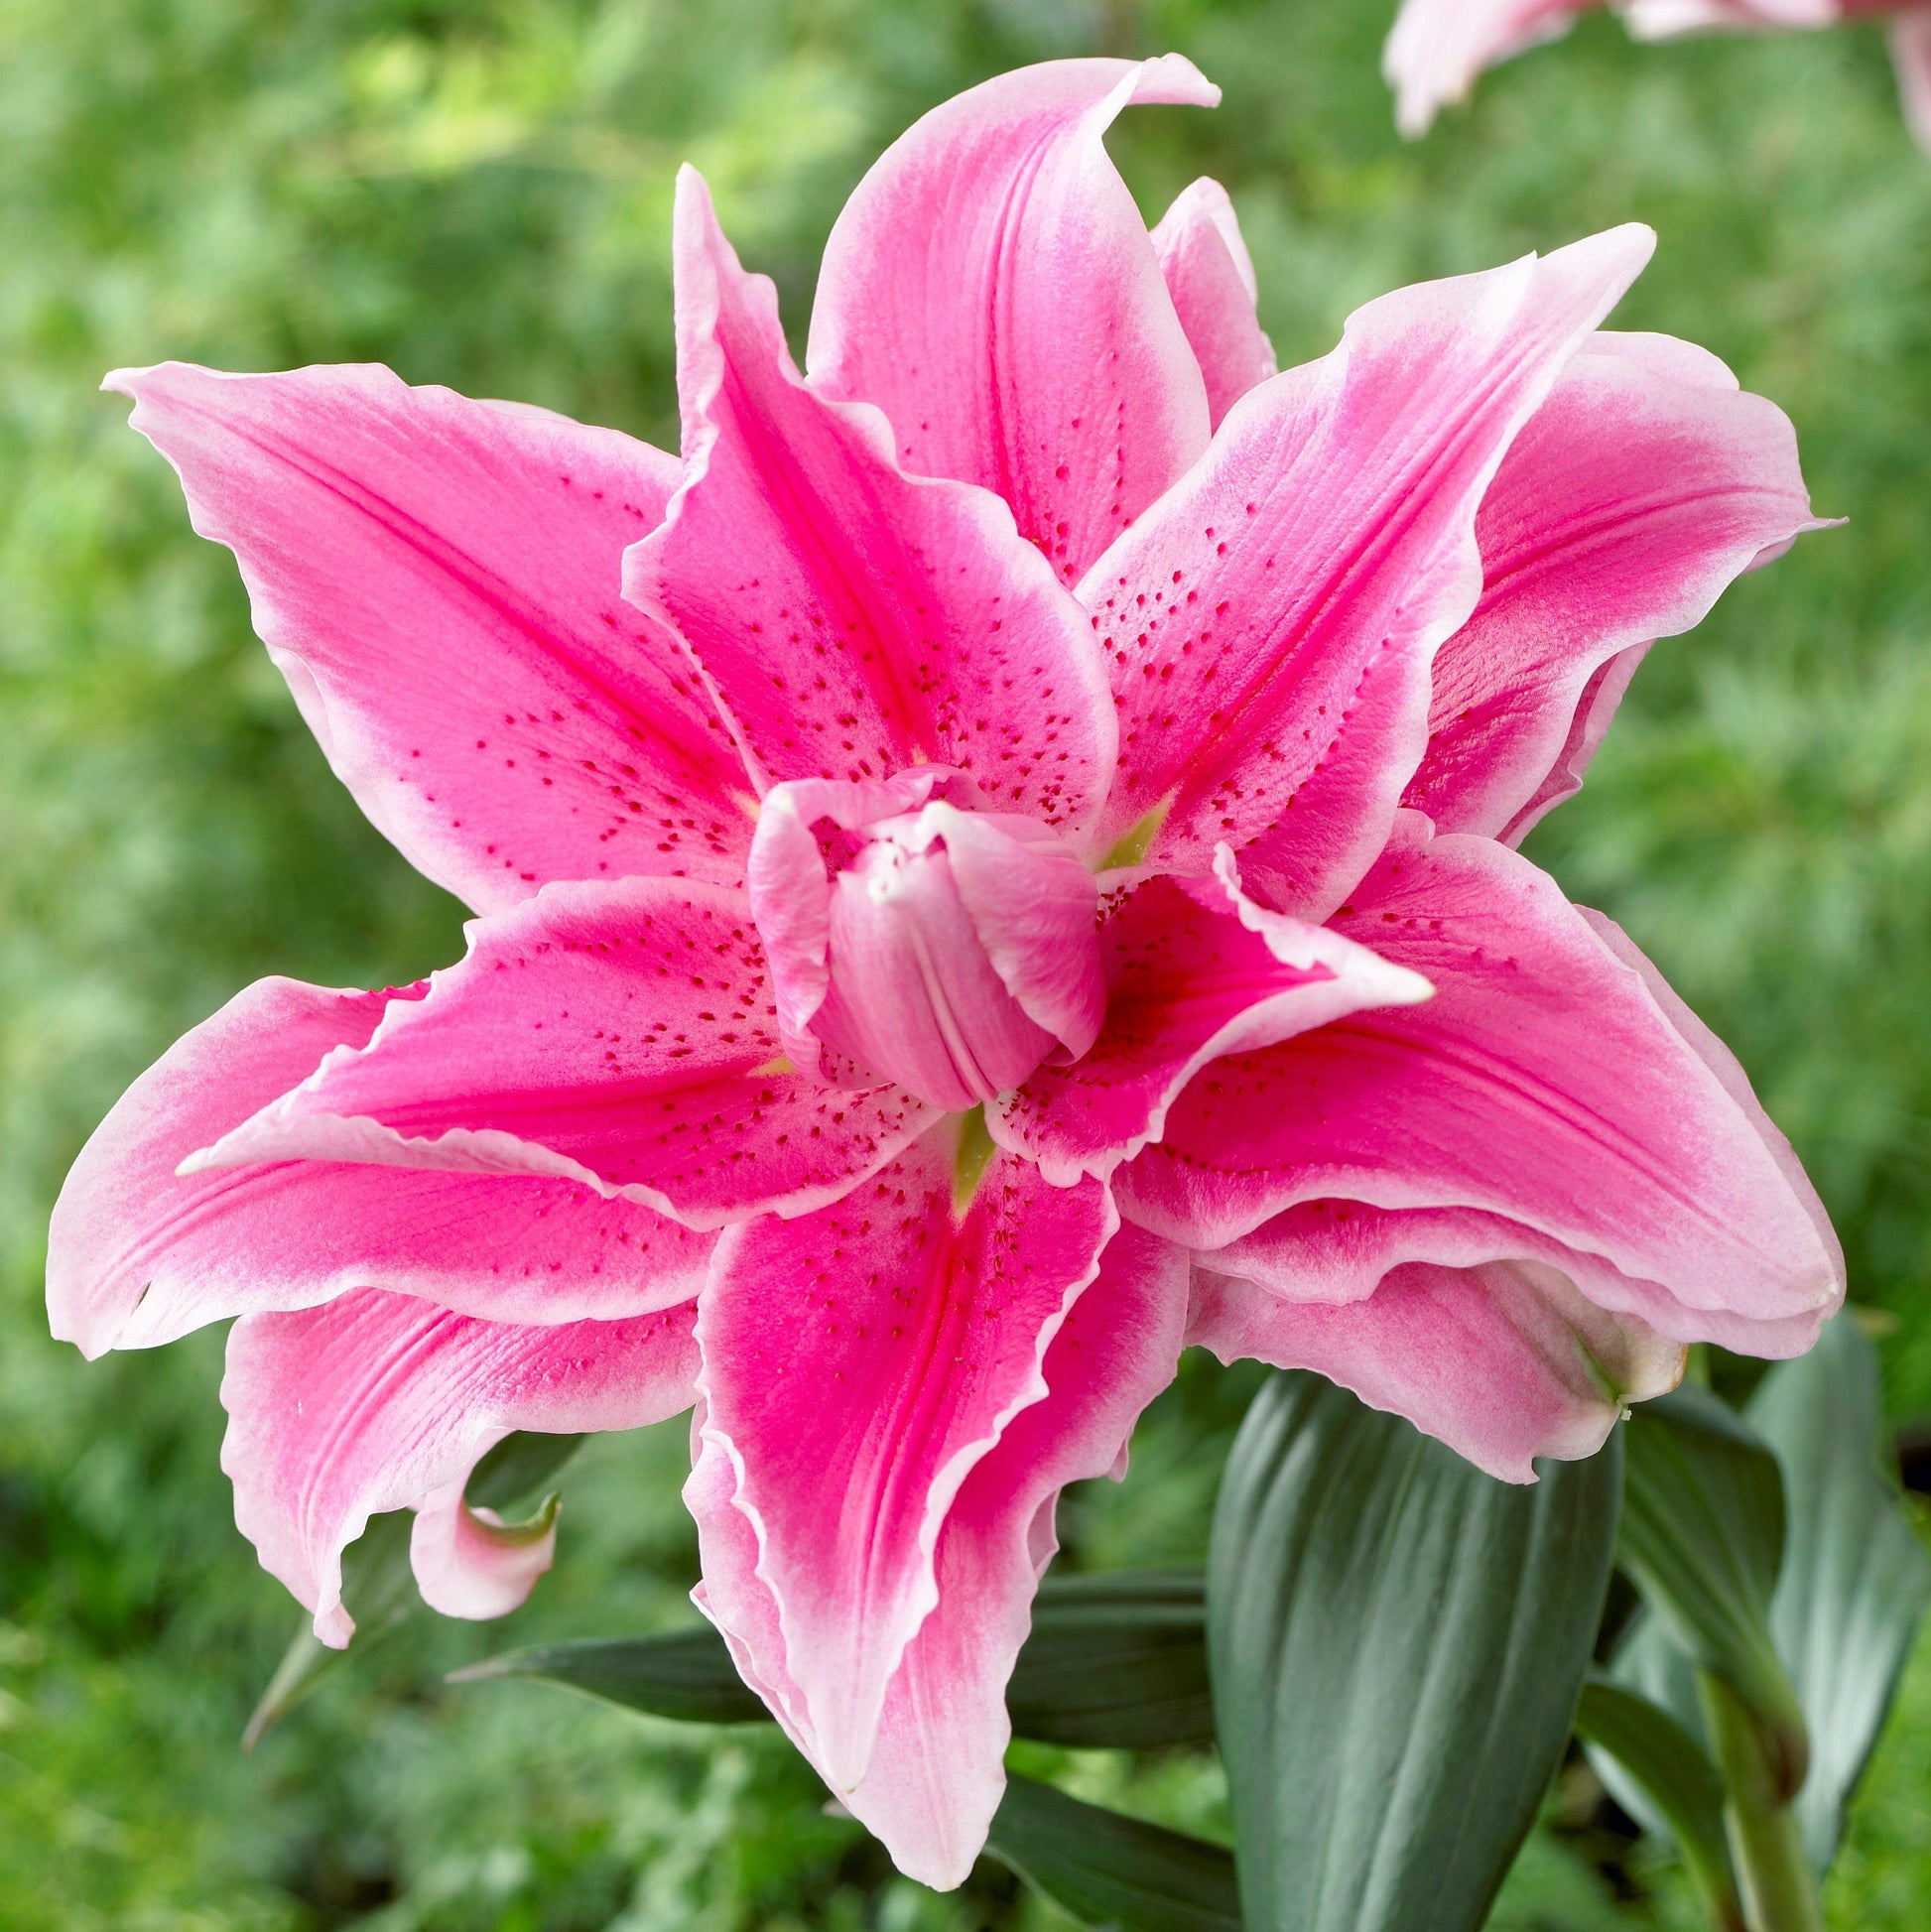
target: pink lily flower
1438 48
997 865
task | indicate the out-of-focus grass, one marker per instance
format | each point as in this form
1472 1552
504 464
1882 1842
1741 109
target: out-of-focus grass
477 193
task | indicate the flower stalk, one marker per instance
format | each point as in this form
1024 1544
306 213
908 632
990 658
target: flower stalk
1774 1872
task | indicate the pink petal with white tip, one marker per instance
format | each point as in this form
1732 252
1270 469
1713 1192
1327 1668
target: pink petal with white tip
620 1036
439 579
1210 277
1336 1252
936 1770
1910 54
1644 484
991 287
139 1254
469 1563
851 620
1503 1363
381 1401
1191 976
1547 1082
1438 48
1271 621
858 1364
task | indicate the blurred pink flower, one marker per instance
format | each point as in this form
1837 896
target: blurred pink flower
996 865
1440 48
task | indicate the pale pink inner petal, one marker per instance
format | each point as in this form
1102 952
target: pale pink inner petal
440 582
1191 976
1271 621
853 621
381 1401
937 1771
138 1254
619 1035
1503 1363
992 286
858 1362
1211 278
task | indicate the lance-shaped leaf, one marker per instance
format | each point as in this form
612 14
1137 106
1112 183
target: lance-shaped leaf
1113 1662
1703 1536
1856 1579
1109 1869
376 1576
1116 1660
1675 1775
683 1674
1397 1643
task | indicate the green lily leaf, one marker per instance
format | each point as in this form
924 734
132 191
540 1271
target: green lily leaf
1702 1539
1109 1869
1118 1660
1856 1578
377 1582
1398 1642
1675 1775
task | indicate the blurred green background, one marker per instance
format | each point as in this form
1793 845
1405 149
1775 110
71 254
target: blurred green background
479 194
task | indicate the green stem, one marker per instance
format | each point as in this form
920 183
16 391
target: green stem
1772 1870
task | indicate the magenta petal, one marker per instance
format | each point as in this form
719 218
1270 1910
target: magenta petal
618 1035
851 620
1271 619
439 581
1338 1252
1438 48
1188 981
991 287
1547 1082
937 1771
138 1254
1503 1363
858 1364
381 1401
1634 495
1211 278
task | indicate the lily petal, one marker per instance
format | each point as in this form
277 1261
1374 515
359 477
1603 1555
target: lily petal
139 1254
853 620
1188 981
1546 1082
469 1563
937 1771
1210 277
1271 621
380 1401
439 582
1336 1252
1439 48
1027 342
1503 1363
1631 499
620 1036
1910 54
858 1364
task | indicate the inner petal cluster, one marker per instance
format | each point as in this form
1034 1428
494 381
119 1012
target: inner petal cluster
940 949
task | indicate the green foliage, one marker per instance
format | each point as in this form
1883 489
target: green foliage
1398 1641
478 195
